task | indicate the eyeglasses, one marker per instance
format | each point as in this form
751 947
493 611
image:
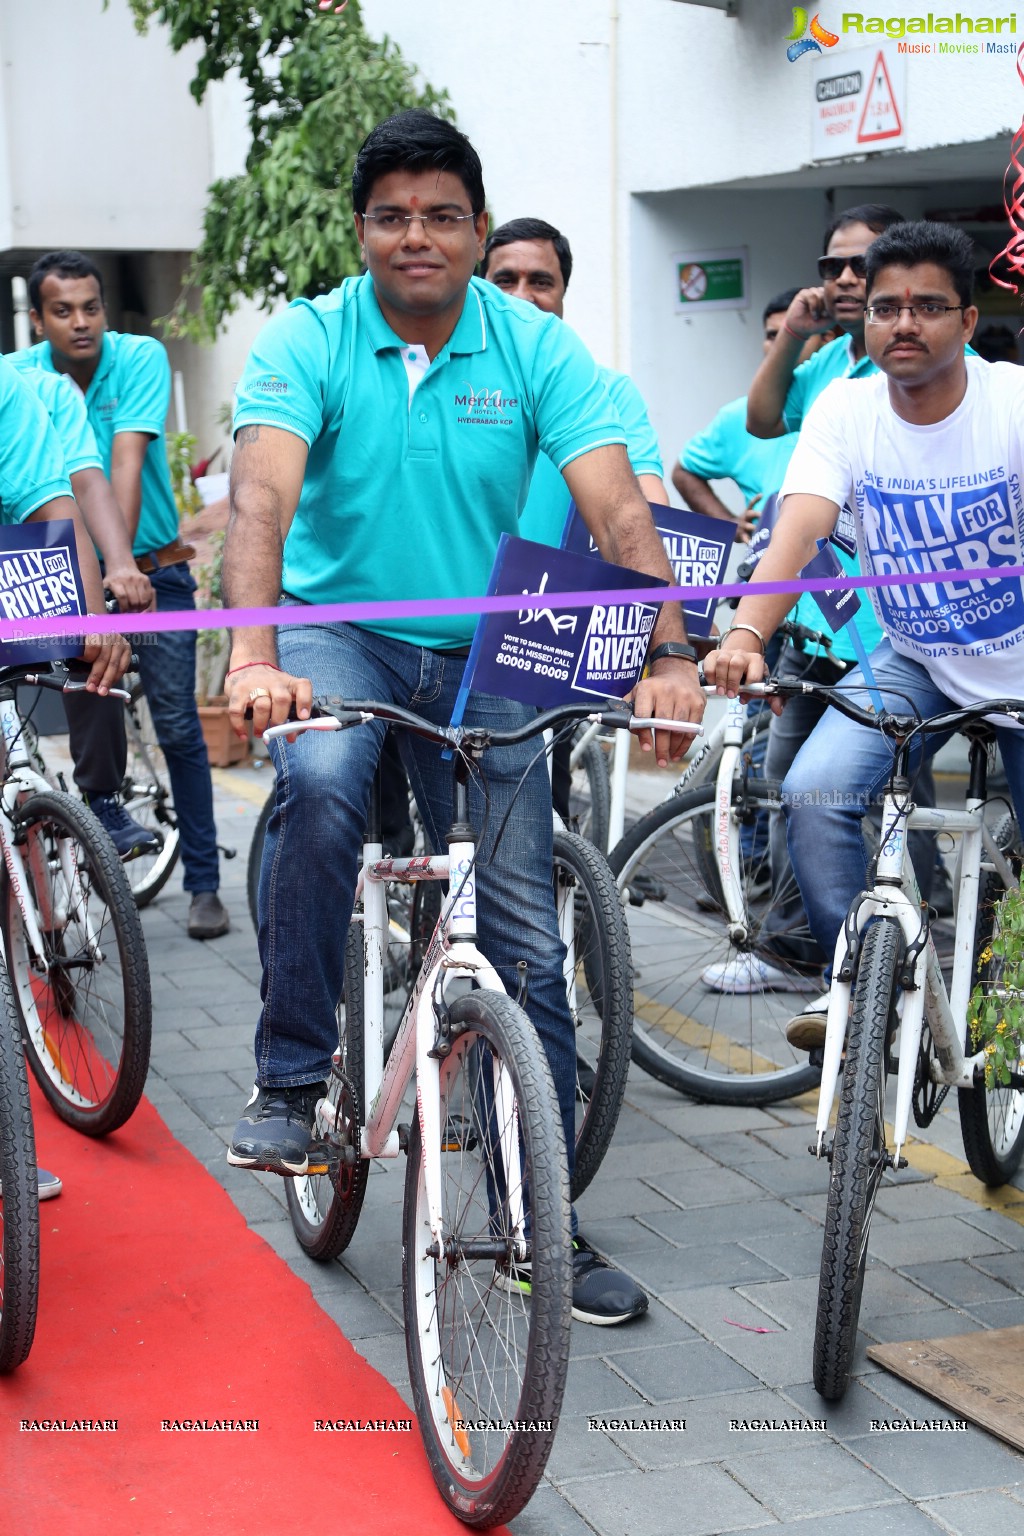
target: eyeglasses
435 223
888 314
832 267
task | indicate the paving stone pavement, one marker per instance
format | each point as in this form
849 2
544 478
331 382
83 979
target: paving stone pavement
718 1213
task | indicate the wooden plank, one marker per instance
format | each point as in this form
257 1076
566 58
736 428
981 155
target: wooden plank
978 1375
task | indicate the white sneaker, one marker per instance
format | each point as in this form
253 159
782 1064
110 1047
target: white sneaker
50 1185
748 972
807 1030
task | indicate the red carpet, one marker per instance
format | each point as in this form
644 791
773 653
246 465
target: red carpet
157 1302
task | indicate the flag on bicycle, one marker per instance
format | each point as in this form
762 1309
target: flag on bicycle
547 656
697 547
39 579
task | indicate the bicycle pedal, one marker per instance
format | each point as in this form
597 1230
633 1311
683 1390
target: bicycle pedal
458 1135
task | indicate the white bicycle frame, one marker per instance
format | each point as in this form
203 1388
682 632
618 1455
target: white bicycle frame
927 998
20 779
450 956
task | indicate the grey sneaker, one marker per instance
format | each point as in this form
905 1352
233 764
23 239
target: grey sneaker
276 1131
207 916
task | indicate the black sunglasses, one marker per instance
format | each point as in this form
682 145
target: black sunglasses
832 267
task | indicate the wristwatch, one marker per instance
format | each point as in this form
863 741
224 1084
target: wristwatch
674 648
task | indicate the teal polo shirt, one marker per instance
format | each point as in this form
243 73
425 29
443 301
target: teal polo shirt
63 403
725 450
832 361
406 495
129 392
32 470
547 505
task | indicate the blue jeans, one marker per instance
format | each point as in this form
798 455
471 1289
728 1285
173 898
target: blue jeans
838 772
314 843
167 667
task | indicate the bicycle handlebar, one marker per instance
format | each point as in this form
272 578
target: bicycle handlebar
11 677
340 714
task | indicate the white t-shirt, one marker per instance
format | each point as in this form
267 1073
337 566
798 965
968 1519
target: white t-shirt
928 498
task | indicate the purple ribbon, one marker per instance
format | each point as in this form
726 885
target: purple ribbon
417 608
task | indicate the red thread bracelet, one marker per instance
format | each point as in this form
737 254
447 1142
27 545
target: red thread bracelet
247 664
795 334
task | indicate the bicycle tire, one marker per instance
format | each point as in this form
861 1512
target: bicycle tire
859 1155
590 795
481 1349
992 1119
19 1202
719 1047
85 1005
599 987
324 1208
146 796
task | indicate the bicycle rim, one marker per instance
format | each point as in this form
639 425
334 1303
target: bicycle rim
726 1047
84 999
146 796
19 1201
488 1349
859 1156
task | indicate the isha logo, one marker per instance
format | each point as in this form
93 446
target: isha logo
799 44
558 622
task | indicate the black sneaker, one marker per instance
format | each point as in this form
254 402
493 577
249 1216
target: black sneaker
601 1294
128 837
276 1131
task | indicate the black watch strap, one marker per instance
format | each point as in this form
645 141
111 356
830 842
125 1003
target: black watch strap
674 648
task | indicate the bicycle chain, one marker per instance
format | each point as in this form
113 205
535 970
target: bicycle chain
928 1096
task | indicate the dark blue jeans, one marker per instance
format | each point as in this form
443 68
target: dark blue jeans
314 846
167 667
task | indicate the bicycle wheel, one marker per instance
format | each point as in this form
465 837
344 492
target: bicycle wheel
725 1047
146 795
859 1155
324 1207
992 1119
19 1200
488 1351
252 869
84 999
599 986
590 793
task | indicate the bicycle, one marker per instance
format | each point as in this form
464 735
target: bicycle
72 936
598 970
890 1011
487 1356
19 1203
693 900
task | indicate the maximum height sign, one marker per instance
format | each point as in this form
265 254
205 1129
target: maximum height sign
860 103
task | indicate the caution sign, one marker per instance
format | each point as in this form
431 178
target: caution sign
859 102
880 118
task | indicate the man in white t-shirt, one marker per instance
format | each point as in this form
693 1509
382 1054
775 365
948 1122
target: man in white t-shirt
930 455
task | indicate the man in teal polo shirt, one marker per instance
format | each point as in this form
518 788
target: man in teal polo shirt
126 381
531 260
35 488
784 388
97 777
386 434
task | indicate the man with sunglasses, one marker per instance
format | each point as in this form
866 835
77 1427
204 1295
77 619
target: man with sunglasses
784 388
929 454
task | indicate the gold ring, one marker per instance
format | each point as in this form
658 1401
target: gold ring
258 693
